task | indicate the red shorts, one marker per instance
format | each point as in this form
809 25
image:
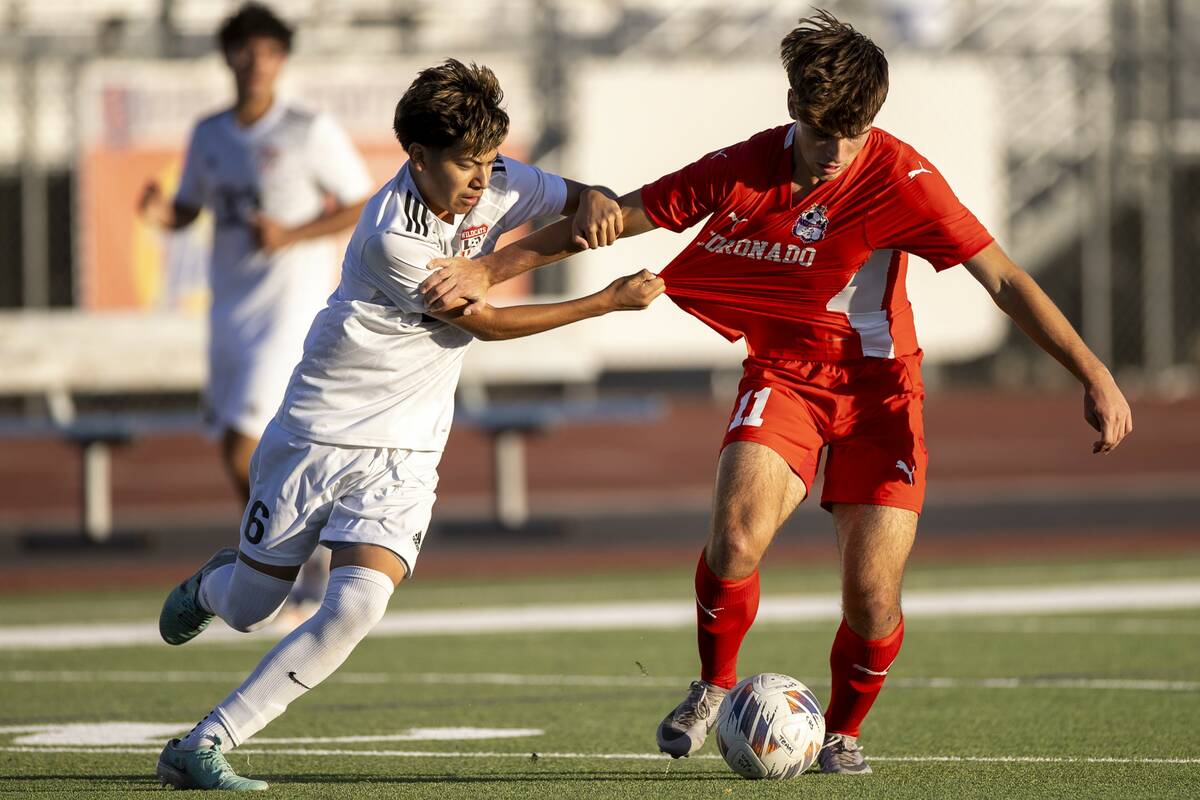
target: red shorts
865 412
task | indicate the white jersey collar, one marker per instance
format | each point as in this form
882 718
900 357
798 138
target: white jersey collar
262 124
404 180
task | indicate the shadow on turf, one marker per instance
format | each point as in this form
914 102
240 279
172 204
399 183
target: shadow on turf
505 777
107 783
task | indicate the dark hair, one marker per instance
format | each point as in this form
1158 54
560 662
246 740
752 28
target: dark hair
452 104
253 19
839 76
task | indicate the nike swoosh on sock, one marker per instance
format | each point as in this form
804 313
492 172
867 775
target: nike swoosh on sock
292 675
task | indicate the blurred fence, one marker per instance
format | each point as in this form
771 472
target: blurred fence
1096 116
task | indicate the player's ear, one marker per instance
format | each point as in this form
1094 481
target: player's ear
791 103
416 154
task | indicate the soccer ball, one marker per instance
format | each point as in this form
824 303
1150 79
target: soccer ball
770 726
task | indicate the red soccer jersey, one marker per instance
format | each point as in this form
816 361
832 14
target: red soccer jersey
821 279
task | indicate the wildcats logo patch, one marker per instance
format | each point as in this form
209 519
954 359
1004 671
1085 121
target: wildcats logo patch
472 237
811 224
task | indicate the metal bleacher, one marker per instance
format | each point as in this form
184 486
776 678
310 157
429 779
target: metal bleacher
55 357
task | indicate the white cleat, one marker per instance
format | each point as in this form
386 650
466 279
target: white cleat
683 731
841 755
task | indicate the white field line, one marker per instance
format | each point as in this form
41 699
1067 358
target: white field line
592 681
528 756
1087 626
643 615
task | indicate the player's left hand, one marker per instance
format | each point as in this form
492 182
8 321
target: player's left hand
453 281
1106 410
271 235
634 292
598 221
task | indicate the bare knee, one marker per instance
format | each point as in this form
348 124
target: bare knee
871 613
734 551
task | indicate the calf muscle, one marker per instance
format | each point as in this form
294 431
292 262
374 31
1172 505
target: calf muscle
874 543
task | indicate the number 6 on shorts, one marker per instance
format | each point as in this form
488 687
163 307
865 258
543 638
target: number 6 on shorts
255 527
754 419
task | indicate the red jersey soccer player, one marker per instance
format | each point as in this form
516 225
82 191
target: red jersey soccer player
804 255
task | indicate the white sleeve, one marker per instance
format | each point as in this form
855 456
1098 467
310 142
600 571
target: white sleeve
193 188
338 167
537 193
397 263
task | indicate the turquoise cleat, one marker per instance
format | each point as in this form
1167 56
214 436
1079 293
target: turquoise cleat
182 616
205 768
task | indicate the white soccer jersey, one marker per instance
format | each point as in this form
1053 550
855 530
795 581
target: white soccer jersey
282 166
377 371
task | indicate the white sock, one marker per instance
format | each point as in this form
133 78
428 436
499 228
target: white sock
242 596
356 599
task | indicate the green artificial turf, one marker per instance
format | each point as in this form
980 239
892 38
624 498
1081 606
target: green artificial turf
598 693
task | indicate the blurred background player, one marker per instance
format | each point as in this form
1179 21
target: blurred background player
804 255
350 461
279 180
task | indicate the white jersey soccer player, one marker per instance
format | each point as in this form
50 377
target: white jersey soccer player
350 460
282 166
378 374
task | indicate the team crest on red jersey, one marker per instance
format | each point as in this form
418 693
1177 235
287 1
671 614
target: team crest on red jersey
811 224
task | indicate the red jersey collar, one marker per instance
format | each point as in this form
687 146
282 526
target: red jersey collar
785 167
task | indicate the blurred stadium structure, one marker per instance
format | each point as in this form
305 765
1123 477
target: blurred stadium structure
1071 127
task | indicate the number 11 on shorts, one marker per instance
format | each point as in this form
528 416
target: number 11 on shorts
754 419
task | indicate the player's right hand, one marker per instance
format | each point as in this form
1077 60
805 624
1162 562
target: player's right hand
453 281
598 221
635 291
152 205
1106 409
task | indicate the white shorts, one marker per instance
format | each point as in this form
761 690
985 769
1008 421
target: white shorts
246 383
303 492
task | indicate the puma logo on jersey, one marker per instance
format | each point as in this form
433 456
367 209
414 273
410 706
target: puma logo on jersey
711 613
908 471
915 172
736 221
720 154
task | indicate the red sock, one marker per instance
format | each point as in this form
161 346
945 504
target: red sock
854 687
725 610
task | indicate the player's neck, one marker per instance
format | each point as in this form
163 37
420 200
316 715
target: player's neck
803 180
444 214
251 108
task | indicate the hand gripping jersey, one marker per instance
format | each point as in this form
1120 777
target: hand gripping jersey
819 279
377 371
282 166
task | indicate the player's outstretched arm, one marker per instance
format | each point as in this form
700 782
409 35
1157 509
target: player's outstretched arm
633 292
461 279
1019 296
